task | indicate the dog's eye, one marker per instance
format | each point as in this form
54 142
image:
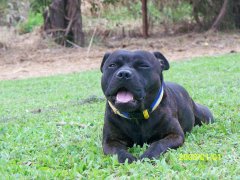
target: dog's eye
112 65
144 66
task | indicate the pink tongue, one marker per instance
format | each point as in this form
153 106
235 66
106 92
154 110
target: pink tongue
124 96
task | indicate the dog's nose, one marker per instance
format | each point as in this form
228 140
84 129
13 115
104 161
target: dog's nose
124 74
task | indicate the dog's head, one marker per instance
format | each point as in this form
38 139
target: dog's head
131 79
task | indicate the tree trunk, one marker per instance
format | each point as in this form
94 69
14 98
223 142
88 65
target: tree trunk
236 13
196 13
220 16
144 19
73 12
63 21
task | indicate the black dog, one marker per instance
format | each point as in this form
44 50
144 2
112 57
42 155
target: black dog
142 108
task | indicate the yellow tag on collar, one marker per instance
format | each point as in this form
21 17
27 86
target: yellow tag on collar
145 114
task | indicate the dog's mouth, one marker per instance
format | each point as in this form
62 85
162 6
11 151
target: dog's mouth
125 100
124 96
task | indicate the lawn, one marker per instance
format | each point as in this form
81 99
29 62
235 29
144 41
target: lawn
51 127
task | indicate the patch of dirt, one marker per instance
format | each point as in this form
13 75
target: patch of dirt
30 56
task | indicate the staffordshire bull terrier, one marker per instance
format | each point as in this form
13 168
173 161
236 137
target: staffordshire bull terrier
142 108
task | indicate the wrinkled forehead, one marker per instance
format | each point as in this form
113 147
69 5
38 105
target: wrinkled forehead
132 55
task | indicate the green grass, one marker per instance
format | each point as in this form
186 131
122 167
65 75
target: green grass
33 21
34 146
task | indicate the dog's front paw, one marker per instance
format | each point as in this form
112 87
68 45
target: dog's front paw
149 155
123 156
146 156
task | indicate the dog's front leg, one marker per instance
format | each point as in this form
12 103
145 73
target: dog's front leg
119 148
172 141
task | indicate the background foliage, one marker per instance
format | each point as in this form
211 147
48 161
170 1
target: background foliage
38 6
164 12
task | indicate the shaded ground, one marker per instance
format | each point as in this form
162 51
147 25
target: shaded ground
29 56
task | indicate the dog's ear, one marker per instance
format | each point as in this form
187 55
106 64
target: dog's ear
163 61
106 55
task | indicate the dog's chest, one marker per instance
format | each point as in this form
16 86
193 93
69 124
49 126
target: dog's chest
139 131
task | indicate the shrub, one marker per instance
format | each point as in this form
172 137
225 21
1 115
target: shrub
38 6
33 21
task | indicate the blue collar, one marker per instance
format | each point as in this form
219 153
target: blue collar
145 112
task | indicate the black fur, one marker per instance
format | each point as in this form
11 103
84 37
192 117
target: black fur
176 114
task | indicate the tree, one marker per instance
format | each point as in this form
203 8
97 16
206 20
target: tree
216 14
63 21
220 16
144 9
144 19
